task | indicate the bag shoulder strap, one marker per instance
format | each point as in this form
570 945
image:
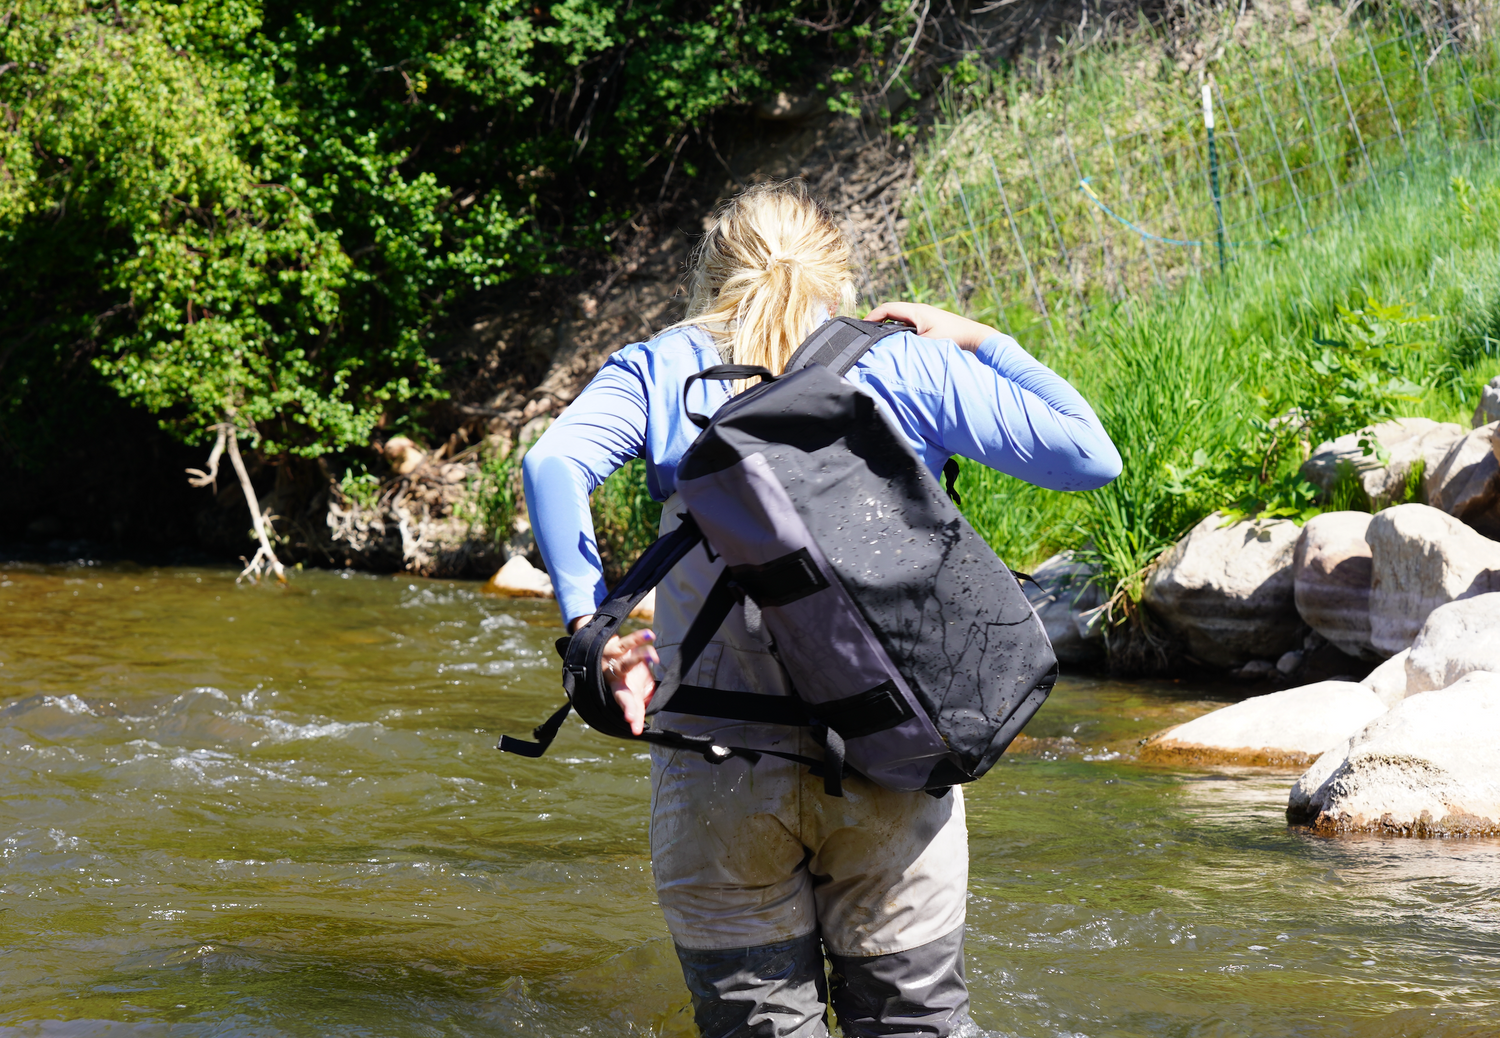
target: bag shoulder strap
838 344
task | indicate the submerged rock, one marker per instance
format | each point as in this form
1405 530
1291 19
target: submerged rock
518 578
1428 767
1331 579
1466 483
1457 639
1388 681
1068 605
1226 591
1421 559
1405 442
1291 727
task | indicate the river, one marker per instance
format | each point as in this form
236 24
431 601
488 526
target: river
242 810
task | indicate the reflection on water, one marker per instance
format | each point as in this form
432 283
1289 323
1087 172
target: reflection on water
247 810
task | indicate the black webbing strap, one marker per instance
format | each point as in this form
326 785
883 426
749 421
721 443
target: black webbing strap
950 476
838 344
722 373
738 706
543 733
716 608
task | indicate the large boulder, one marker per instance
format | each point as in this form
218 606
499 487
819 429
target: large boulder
1466 483
1291 727
1331 580
1422 558
1489 404
1405 441
1430 766
1068 604
1388 681
1457 639
1226 591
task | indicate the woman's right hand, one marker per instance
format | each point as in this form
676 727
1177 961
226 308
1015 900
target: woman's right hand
627 669
933 323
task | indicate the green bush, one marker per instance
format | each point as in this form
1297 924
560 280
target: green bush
626 519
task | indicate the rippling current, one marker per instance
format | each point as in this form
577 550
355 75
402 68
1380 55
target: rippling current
259 811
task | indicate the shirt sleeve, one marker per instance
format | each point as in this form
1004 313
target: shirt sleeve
601 430
1006 409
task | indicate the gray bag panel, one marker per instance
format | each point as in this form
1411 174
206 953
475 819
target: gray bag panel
946 612
840 669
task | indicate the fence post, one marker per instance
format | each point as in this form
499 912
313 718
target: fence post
1015 233
983 250
1213 167
1333 63
1286 168
1389 107
1312 125
911 289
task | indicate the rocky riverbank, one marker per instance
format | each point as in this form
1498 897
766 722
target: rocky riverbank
1408 597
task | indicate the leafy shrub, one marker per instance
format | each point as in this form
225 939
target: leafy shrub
626 519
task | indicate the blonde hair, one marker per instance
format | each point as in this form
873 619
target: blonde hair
772 266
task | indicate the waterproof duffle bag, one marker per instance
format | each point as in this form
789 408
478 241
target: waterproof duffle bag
914 655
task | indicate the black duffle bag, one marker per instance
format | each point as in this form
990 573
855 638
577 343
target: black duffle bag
914 655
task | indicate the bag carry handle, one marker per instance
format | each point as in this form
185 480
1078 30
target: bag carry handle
722 373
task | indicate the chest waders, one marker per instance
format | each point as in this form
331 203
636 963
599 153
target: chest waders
914 656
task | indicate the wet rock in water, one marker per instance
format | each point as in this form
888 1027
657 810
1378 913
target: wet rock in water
1331 579
1226 591
1430 766
1405 441
1255 670
1290 663
518 578
1422 558
1457 639
1290 727
1489 404
1388 681
1068 606
1466 483
405 457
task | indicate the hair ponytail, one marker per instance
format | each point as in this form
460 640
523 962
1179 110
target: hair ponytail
772 267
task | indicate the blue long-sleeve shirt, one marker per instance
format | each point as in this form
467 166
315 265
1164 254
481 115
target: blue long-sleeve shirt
999 406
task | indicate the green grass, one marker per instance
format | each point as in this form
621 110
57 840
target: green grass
1203 369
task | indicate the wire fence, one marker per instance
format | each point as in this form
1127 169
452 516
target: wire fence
1045 204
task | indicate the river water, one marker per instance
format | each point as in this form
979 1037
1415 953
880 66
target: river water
239 810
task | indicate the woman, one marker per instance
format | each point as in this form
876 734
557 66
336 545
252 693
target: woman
758 871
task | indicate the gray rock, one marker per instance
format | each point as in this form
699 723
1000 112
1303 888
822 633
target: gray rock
1466 483
1430 766
1331 580
1421 559
1489 404
1388 681
1406 440
1226 591
1457 639
1289 663
1291 726
1069 607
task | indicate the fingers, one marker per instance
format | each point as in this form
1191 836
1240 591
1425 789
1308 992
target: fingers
933 323
627 668
633 706
906 313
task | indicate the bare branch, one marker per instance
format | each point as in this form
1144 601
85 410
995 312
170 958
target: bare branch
265 558
199 478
